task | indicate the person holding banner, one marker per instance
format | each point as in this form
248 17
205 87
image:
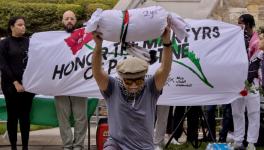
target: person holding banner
13 61
251 100
67 105
131 99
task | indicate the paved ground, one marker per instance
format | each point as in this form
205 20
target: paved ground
48 139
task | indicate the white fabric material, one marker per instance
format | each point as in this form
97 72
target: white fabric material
139 52
144 24
92 24
209 67
252 104
37 96
178 25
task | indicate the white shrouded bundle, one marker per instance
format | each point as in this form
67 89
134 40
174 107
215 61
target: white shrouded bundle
144 24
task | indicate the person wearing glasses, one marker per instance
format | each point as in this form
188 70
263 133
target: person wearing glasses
131 99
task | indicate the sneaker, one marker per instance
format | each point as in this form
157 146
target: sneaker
173 141
239 146
230 137
251 146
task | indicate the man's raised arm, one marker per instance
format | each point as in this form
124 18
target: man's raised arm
163 71
99 74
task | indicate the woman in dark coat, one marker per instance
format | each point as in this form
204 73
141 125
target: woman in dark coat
13 60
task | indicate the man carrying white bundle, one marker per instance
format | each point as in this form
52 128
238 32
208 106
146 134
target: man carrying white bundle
131 99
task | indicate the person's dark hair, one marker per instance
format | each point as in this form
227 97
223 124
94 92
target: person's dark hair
248 20
12 22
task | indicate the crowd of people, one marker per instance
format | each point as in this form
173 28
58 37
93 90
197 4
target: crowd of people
241 117
131 98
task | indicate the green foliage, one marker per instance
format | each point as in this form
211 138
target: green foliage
44 1
47 15
110 3
39 16
92 7
2 128
32 128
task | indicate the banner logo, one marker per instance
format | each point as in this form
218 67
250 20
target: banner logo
77 39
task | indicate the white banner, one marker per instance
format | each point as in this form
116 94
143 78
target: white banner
209 67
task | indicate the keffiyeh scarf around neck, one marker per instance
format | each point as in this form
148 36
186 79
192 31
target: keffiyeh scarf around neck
129 97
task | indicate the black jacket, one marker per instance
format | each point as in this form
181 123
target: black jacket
13 58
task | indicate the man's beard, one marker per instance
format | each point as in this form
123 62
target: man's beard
69 29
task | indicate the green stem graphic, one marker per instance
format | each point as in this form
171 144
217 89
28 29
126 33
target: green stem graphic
89 47
195 61
192 70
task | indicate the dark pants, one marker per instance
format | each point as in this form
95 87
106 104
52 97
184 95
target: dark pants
178 114
211 122
18 109
173 121
193 123
227 123
170 123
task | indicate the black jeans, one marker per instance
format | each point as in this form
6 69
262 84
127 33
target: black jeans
173 121
227 123
18 109
211 122
193 123
178 114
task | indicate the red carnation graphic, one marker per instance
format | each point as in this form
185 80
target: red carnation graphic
244 92
77 39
